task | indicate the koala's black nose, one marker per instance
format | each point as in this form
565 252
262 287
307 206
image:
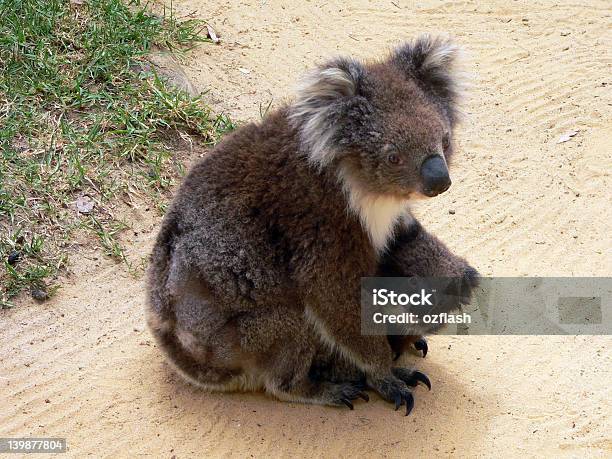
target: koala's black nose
435 176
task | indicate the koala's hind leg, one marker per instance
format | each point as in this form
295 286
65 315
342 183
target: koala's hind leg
193 361
271 349
306 390
287 348
329 365
200 341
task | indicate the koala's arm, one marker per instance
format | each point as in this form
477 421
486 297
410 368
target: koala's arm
417 253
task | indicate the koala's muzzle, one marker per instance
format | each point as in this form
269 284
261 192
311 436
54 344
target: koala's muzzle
434 174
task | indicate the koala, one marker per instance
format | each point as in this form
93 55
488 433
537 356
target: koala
254 281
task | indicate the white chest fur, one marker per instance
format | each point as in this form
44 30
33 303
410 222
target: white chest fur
378 213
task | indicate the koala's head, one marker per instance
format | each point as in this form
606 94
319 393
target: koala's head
386 125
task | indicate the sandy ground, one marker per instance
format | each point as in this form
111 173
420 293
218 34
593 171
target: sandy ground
83 366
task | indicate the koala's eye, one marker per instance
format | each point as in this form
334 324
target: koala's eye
446 142
394 159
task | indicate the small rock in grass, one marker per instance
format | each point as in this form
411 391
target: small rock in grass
13 257
84 204
168 67
39 294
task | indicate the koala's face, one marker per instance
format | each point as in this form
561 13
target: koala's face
386 125
399 142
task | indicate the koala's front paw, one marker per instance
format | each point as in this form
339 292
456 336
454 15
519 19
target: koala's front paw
469 281
400 343
460 287
395 387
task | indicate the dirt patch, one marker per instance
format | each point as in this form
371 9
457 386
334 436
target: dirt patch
83 366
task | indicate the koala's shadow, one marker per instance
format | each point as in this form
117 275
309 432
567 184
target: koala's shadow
453 415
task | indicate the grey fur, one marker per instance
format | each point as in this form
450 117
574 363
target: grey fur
433 60
312 113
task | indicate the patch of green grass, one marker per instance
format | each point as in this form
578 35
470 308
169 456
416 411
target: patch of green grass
77 120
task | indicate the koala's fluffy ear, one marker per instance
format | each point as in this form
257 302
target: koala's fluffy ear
317 108
433 62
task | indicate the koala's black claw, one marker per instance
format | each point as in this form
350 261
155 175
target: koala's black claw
421 345
398 401
409 403
418 377
412 377
363 396
347 403
394 389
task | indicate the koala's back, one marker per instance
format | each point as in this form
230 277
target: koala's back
242 217
222 290
211 227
